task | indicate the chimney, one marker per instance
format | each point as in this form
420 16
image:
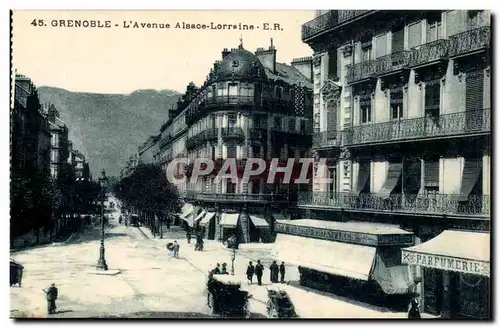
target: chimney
267 57
24 82
305 66
225 52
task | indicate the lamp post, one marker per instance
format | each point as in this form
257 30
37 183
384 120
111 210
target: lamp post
101 264
232 245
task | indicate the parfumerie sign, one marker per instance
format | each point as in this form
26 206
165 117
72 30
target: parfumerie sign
446 263
345 236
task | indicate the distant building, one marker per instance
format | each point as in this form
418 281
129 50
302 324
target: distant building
78 164
59 151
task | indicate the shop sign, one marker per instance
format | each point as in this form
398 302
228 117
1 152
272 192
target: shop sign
446 263
345 236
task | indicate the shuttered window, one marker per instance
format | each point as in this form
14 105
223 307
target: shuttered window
381 45
456 22
398 40
474 87
414 35
431 173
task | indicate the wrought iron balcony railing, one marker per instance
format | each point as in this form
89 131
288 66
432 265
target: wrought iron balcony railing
436 204
454 124
361 71
233 133
227 197
196 140
211 134
429 53
327 139
470 41
392 62
329 20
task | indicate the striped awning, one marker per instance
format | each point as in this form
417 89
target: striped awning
207 218
186 210
201 215
258 221
229 220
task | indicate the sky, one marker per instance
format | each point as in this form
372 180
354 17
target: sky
121 60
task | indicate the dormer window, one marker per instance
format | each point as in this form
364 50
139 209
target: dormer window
236 63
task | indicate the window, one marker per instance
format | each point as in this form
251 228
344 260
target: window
332 63
231 151
231 187
256 187
291 125
366 54
432 98
256 151
396 102
431 175
233 89
232 120
303 127
414 35
382 45
365 105
433 29
277 123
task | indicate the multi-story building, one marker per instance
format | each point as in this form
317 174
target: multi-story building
59 151
249 106
402 112
79 164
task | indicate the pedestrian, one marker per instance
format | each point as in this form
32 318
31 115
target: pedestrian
250 272
414 312
217 269
188 236
224 268
274 272
282 272
51 294
168 224
259 271
199 243
176 249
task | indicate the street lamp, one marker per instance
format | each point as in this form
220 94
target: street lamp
232 244
101 264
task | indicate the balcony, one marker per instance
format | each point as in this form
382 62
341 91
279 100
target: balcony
392 63
429 53
211 134
361 71
233 133
447 125
430 204
233 197
228 100
326 139
470 41
196 140
258 134
330 20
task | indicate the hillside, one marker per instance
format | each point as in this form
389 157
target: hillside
108 128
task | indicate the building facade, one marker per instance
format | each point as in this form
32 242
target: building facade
59 148
402 112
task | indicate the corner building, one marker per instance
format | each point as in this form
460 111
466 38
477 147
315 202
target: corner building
402 109
250 106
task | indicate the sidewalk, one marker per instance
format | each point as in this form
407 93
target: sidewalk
309 303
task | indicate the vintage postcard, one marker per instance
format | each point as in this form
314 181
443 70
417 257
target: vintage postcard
329 164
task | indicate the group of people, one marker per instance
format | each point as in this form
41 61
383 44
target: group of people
174 248
219 270
258 270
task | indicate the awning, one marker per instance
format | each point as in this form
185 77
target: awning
470 174
207 218
460 251
363 175
202 213
393 177
258 221
348 260
392 276
186 210
278 216
229 220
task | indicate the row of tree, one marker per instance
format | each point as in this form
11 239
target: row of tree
37 200
148 193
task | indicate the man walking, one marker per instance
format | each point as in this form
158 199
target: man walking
274 272
259 271
51 294
176 249
250 272
282 272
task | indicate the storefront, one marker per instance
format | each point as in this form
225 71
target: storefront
348 258
229 225
456 270
207 225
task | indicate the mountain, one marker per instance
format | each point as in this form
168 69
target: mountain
108 128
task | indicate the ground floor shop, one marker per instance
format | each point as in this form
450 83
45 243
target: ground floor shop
455 270
360 260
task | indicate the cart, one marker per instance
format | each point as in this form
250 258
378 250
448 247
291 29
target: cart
225 297
16 273
279 304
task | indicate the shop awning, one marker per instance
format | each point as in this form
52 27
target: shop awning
393 176
348 260
452 250
363 175
207 218
392 276
278 216
258 222
470 174
186 210
202 213
229 220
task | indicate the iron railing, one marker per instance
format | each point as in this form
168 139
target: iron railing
196 140
326 139
454 124
436 204
470 41
217 197
392 62
329 20
361 71
429 52
233 133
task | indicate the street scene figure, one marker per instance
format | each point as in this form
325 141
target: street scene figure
250 272
224 269
282 272
273 271
176 247
188 236
51 294
414 312
199 243
259 271
216 270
